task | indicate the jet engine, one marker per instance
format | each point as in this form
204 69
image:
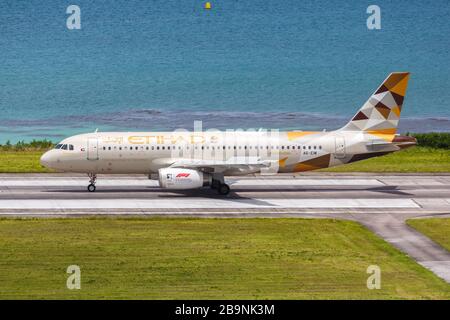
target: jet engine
179 178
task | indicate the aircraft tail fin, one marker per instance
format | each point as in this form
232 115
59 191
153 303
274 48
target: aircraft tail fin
381 113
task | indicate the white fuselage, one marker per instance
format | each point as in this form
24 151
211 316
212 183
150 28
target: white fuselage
147 152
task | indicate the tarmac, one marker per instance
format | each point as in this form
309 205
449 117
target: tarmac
382 203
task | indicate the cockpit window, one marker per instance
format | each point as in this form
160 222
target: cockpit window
65 146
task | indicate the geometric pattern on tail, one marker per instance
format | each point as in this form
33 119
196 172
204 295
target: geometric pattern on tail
381 112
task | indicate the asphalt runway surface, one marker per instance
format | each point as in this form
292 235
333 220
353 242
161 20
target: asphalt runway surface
265 195
380 202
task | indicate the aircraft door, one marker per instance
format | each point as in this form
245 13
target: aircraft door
92 149
340 147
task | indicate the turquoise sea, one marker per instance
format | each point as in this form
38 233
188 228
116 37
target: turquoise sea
160 65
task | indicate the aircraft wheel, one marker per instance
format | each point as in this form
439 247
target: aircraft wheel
215 184
91 187
223 189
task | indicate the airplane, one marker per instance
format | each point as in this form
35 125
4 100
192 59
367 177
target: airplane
190 160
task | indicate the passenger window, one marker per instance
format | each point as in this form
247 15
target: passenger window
157 148
104 148
109 148
120 148
309 147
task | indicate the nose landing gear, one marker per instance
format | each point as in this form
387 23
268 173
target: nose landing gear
92 180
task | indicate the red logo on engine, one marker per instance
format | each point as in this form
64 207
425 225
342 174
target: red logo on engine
183 175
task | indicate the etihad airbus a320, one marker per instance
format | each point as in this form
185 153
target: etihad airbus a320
190 160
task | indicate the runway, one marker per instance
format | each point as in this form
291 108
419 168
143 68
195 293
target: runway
66 194
380 202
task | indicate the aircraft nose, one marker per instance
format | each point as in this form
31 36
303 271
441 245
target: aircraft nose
47 159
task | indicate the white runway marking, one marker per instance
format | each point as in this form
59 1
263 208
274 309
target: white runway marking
76 182
416 182
308 182
80 182
202 203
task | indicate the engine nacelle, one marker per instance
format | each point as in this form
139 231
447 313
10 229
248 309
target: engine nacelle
178 178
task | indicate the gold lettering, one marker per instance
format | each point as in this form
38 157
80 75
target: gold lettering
197 139
193 139
136 140
142 139
112 139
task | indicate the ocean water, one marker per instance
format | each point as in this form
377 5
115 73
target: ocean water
160 65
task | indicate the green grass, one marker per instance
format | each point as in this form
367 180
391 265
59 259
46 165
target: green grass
26 161
437 229
415 159
160 258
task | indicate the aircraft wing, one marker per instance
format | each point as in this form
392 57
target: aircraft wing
238 163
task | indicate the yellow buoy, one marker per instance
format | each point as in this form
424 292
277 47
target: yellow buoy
208 5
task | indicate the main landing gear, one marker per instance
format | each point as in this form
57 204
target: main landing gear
219 184
223 189
92 180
